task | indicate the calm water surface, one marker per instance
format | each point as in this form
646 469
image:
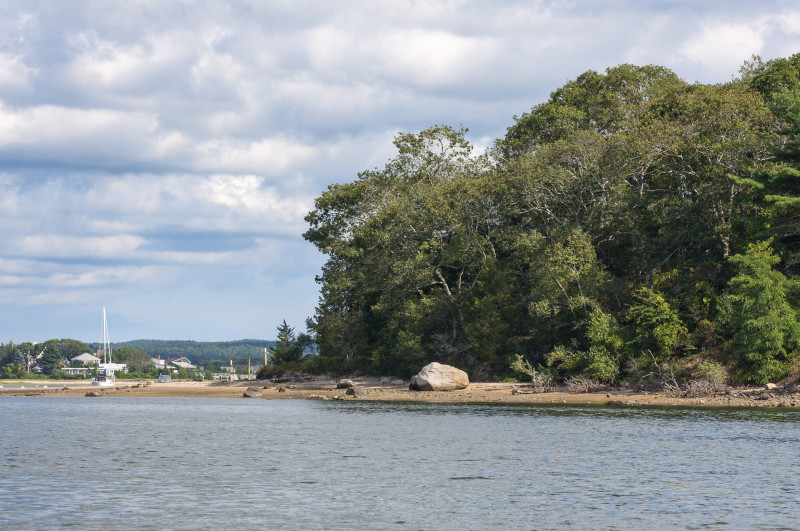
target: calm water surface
171 463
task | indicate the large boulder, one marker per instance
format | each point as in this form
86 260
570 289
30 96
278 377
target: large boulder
355 392
345 383
252 392
437 377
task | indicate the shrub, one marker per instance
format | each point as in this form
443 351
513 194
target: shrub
540 381
585 385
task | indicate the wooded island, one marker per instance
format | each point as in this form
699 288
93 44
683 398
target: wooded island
634 227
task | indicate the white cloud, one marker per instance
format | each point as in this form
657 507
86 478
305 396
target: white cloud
169 150
246 191
789 22
84 137
270 156
109 65
721 48
426 58
14 73
66 246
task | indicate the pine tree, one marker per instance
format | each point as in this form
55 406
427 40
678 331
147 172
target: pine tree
757 311
286 349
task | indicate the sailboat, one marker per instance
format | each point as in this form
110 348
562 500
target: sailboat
105 372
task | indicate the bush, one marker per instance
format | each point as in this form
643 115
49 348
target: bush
585 385
712 371
592 364
540 380
704 387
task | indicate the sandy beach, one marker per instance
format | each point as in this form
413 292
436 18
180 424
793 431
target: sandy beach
371 389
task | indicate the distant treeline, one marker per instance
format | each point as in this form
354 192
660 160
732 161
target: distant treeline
634 227
199 351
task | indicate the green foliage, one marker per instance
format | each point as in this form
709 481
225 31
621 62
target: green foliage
659 328
201 352
286 349
137 361
622 179
758 309
594 364
712 371
50 359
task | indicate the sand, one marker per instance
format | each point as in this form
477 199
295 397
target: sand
373 390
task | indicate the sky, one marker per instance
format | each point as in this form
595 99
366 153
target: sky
157 158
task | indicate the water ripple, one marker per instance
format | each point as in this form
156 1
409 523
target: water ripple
122 463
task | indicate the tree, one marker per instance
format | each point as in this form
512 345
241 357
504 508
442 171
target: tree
136 360
286 349
407 246
759 311
49 357
658 327
618 200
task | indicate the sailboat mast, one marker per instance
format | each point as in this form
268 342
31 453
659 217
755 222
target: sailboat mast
106 344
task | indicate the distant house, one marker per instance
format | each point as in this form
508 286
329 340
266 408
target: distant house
82 371
85 359
159 363
116 367
181 362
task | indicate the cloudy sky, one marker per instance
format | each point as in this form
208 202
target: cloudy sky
158 157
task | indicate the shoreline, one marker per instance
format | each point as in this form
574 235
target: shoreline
372 390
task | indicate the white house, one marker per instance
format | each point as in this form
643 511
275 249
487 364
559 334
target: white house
181 362
115 367
85 359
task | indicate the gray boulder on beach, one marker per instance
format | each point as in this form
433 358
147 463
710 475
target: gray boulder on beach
437 377
252 392
355 392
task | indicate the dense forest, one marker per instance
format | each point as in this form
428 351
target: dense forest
632 228
17 360
200 352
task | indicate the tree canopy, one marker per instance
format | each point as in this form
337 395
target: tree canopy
608 230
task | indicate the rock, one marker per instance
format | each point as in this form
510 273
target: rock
92 393
318 397
344 383
514 390
397 382
355 392
437 377
252 392
281 390
770 386
385 381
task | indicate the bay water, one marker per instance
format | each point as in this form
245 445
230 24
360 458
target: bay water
173 463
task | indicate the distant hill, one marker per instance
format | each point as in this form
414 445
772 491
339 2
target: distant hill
199 351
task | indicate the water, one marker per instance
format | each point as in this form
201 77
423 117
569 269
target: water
171 463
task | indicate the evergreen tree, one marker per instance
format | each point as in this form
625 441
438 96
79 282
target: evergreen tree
758 313
286 348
